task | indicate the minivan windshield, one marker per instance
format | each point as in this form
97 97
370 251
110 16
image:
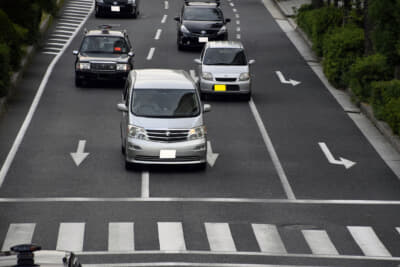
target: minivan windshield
202 14
224 56
165 103
104 44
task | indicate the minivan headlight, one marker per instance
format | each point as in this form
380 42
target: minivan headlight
123 67
83 66
197 133
222 30
244 76
137 132
207 76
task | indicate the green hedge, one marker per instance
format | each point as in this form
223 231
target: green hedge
317 22
366 70
341 48
4 69
382 93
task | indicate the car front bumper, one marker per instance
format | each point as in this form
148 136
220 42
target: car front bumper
237 87
149 152
93 75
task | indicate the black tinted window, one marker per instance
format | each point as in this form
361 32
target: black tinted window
202 14
165 103
104 44
224 56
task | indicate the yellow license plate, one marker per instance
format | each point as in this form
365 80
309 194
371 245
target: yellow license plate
220 87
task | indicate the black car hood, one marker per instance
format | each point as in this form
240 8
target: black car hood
197 26
103 57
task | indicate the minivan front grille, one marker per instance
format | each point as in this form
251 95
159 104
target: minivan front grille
167 135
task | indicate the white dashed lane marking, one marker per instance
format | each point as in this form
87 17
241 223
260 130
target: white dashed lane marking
158 34
164 19
151 53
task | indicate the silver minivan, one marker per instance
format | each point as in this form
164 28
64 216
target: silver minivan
162 119
223 68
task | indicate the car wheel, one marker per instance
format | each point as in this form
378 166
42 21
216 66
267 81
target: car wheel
78 82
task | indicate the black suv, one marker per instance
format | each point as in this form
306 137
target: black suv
104 55
117 7
200 22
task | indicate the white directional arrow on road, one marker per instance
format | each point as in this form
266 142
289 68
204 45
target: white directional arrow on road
211 156
345 162
283 80
79 156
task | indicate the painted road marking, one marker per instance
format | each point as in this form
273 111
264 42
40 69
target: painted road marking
234 10
270 147
232 4
68 24
238 36
145 184
121 236
237 16
170 236
368 241
238 22
166 5
18 233
268 238
57 40
158 33
55 44
49 53
219 237
238 29
70 236
319 242
164 19
151 53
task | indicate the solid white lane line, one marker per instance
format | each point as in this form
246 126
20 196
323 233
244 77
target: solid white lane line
166 5
151 53
158 33
319 242
368 241
219 237
71 236
170 236
18 233
268 238
164 19
21 133
270 147
145 184
121 236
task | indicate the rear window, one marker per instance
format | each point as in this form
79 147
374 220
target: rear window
165 103
202 14
224 56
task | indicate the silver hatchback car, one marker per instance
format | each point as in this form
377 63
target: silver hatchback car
162 119
223 68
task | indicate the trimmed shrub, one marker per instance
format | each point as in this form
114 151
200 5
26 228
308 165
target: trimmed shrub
392 112
4 69
366 70
317 22
382 93
340 50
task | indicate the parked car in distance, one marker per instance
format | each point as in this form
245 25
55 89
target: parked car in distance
162 119
104 54
223 68
117 7
200 22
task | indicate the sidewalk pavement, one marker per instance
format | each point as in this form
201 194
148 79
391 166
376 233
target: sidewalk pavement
289 7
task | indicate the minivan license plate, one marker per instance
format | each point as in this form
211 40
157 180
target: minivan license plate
115 8
167 154
220 87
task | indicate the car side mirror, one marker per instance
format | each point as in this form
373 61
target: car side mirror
131 54
122 107
197 60
177 18
252 61
75 52
206 108
227 20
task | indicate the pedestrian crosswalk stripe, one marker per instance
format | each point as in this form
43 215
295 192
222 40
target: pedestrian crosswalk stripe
70 236
220 237
319 242
368 241
18 233
170 236
121 236
268 238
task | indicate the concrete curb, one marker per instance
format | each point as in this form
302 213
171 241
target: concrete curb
365 109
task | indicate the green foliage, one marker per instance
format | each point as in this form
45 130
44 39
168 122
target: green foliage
11 35
366 70
382 93
341 48
392 111
4 69
317 22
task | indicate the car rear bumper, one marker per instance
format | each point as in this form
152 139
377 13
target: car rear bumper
124 9
192 40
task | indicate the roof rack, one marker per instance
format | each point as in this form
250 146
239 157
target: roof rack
202 2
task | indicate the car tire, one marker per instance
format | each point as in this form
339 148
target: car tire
78 82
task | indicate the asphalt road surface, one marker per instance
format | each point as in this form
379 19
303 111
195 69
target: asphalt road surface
272 198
